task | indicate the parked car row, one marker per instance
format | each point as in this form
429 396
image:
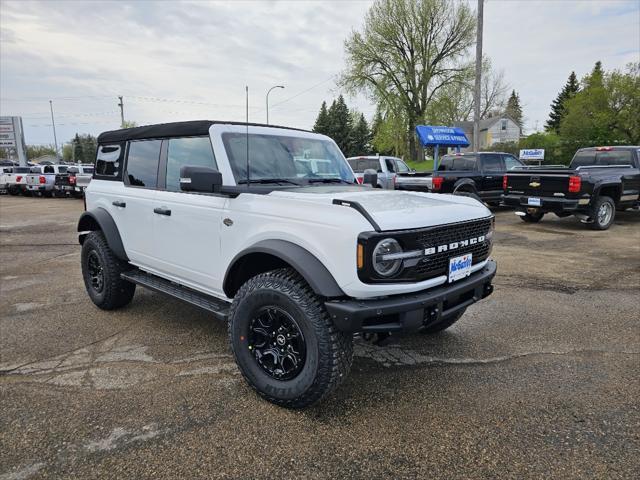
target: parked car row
52 180
599 181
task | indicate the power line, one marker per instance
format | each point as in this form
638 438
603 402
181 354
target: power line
304 91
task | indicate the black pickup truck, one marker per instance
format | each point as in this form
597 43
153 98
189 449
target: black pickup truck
477 175
599 181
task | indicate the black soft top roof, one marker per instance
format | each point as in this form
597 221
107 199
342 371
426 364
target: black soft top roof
173 129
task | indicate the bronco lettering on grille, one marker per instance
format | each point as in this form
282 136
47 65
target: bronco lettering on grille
454 245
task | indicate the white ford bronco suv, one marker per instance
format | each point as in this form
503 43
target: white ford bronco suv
266 228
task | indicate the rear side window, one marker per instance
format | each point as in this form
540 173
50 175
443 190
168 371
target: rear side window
446 164
583 158
142 163
492 163
402 167
465 164
195 151
614 157
109 161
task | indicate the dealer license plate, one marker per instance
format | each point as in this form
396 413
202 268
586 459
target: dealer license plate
534 201
459 267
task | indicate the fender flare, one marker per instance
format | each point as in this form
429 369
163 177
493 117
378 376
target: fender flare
100 219
304 262
465 182
598 189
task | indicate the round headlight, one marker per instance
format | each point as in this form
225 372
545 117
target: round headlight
384 262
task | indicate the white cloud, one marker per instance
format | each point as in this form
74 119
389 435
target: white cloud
204 54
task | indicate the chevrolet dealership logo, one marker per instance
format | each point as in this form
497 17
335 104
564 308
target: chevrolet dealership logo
534 184
454 245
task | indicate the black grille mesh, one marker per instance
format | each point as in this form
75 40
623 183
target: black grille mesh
438 263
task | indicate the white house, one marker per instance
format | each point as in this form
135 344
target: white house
499 129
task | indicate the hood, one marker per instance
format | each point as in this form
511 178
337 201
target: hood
397 210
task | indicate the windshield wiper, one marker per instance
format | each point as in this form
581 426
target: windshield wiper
328 180
269 180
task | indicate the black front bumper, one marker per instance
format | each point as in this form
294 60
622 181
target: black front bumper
548 204
409 312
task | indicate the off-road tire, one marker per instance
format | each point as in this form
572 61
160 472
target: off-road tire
115 291
329 352
442 324
532 217
13 190
598 223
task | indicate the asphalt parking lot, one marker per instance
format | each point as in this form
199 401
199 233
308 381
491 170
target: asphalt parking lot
539 380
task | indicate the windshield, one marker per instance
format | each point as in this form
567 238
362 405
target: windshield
292 159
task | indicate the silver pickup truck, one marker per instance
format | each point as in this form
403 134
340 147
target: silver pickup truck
383 166
42 179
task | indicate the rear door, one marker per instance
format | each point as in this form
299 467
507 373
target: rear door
132 206
187 225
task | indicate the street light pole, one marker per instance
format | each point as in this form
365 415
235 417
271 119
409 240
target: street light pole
55 138
268 92
476 93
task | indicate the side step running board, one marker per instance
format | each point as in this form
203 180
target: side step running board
218 307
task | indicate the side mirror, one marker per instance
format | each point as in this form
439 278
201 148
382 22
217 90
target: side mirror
370 177
200 179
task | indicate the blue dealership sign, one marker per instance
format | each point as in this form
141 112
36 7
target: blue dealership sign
442 136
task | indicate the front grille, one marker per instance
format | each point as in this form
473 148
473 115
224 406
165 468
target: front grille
438 263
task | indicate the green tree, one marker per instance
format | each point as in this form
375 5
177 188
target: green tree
360 137
84 148
129 124
35 151
557 107
340 123
323 123
407 51
605 110
514 109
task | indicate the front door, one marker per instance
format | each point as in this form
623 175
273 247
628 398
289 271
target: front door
492 172
186 225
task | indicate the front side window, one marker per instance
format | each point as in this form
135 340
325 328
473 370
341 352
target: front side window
492 163
193 151
283 157
390 165
142 163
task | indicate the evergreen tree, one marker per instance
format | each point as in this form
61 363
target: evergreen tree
513 109
340 123
78 151
323 123
558 109
360 138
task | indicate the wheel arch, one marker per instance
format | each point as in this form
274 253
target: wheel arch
612 190
272 254
465 184
99 219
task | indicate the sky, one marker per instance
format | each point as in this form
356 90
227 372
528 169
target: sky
183 61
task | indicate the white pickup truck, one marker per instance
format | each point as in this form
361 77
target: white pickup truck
17 180
229 217
42 179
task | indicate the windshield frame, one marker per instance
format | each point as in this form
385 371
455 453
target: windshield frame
216 134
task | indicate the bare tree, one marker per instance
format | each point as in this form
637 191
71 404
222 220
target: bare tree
407 51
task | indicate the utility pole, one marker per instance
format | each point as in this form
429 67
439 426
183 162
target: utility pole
55 138
476 93
121 105
268 92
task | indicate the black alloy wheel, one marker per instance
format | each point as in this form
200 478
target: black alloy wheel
277 343
95 271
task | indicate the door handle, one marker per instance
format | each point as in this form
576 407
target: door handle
162 211
118 203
